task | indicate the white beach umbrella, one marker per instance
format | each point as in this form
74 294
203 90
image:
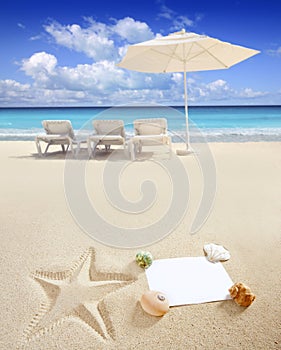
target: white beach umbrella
183 52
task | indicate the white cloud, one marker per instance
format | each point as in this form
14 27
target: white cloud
215 90
122 50
43 68
182 22
218 85
11 91
95 83
177 78
250 93
274 52
102 82
219 91
178 21
40 65
11 85
97 39
35 37
91 41
133 31
92 85
20 25
166 12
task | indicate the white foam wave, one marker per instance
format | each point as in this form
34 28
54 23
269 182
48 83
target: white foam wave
221 135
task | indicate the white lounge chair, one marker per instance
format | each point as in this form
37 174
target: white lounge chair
108 133
58 132
149 132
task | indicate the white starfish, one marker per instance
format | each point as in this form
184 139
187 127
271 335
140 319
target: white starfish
77 292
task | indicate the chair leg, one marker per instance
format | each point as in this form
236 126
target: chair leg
46 150
71 148
89 148
132 150
63 149
95 148
39 150
170 149
127 149
135 150
77 149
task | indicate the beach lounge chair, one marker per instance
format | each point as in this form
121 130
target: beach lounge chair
108 133
149 132
58 132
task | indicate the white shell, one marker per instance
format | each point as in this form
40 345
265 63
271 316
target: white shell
215 252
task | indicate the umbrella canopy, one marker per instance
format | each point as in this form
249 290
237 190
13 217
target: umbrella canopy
183 52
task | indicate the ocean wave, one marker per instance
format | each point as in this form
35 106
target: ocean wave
19 134
196 135
229 135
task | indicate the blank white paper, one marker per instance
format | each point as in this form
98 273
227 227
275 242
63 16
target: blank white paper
191 280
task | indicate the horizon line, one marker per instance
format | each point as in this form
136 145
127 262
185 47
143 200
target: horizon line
140 106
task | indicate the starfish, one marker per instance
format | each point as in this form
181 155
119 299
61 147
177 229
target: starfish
77 292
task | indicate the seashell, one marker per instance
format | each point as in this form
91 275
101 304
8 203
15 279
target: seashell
215 252
155 303
241 294
144 259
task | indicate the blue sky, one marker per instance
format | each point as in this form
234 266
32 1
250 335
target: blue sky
64 53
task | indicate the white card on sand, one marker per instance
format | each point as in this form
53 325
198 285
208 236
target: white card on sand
190 280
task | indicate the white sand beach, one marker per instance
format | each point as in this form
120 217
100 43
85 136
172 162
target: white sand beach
48 263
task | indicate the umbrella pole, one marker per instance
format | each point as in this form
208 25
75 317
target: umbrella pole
186 112
188 149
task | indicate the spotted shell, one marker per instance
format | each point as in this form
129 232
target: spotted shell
215 252
155 303
144 259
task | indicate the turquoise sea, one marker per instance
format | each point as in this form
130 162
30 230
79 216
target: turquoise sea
223 124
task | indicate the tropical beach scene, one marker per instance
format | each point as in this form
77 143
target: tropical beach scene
140 147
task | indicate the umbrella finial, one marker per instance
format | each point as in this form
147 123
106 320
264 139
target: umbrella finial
179 33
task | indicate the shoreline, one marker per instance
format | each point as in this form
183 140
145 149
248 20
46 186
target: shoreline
178 137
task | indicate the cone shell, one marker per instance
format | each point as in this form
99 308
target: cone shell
215 252
155 303
242 294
